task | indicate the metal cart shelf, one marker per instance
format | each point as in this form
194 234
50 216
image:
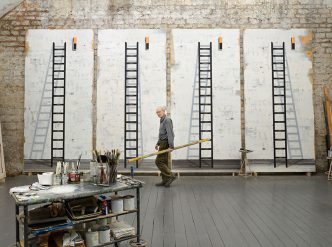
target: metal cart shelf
78 191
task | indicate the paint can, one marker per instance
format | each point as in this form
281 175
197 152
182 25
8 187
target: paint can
104 234
92 238
117 204
128 202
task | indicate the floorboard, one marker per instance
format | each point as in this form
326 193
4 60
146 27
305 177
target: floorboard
266 211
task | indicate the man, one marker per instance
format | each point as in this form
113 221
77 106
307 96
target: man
165 141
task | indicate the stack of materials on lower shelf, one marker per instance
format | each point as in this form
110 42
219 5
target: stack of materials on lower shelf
121 229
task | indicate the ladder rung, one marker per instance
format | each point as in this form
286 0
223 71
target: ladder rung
59 56
131 63
278 70
131 48
58 104
206 130
276 95
131 130
57 140
57 130
279 86
57 70
57 113
279 112
57 121
206 112
131 148
131 55
204 62
58 96
207 78
279 130
59 63
280 121
131 121
206 121
131 78
278 78
131 70
131 104
131 113
205 86
131 86
205 95
280 148
277 55
205 70
206 158
131 95
280 139
278 63
57 79
205 104
277 48
205 55
57 149
204 48
206 148
59 87
132 139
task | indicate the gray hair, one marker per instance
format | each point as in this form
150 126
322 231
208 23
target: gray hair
162 108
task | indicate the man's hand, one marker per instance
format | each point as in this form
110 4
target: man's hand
157 147
171 150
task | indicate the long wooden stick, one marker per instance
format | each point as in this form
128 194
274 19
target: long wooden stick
167 150
328 113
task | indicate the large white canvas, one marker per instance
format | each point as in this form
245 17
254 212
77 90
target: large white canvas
111 85
258 92
226 90
38 85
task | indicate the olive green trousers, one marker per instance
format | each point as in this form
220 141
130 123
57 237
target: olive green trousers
162 161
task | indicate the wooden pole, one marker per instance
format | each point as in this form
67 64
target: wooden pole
328 113
2 160
167 150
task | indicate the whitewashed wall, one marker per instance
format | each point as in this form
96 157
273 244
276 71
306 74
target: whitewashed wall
38 83
226 90
111 84
258 93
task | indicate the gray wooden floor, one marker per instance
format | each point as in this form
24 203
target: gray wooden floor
222 211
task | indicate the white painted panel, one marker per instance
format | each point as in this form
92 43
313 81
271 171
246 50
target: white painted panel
226 91
258 93
38 83
111 84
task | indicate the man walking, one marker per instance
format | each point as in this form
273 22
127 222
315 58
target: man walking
165 141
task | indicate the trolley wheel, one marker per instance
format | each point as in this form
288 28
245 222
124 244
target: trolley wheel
142 243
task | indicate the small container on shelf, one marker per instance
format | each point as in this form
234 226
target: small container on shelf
129 202
117 204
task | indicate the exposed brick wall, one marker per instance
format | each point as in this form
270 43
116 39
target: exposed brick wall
169 14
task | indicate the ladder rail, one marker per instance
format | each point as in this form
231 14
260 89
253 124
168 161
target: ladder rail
52 111
62 96
199 104
128 114
282 104
205 75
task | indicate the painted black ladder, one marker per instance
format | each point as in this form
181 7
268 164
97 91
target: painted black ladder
279 105
58 104
131 103
205 103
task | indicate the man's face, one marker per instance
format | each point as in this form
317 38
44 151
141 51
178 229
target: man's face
160 112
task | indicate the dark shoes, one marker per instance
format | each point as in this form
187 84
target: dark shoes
169 181
166 183
161 183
